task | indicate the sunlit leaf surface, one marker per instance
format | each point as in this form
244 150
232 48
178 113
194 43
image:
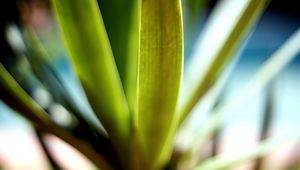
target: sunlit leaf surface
159 76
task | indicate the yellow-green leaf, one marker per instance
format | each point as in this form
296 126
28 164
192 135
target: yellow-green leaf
159 77
89 49
121 22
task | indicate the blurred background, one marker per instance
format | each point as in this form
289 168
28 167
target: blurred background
272 112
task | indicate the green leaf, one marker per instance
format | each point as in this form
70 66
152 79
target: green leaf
193 11
121 19
91 55
221 162
15 97
271 68
159 77
130 80
217 47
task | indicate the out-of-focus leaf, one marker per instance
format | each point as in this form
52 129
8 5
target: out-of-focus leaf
48 76
227 27
271 68
267 120
121 19
185 135
159 77
193 11
14 96
89 49
221 162
46 73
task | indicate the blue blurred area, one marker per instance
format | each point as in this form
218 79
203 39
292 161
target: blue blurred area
275 26
273 29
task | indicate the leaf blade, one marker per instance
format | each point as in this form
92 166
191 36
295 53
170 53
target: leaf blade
124 14
159 75
90 52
